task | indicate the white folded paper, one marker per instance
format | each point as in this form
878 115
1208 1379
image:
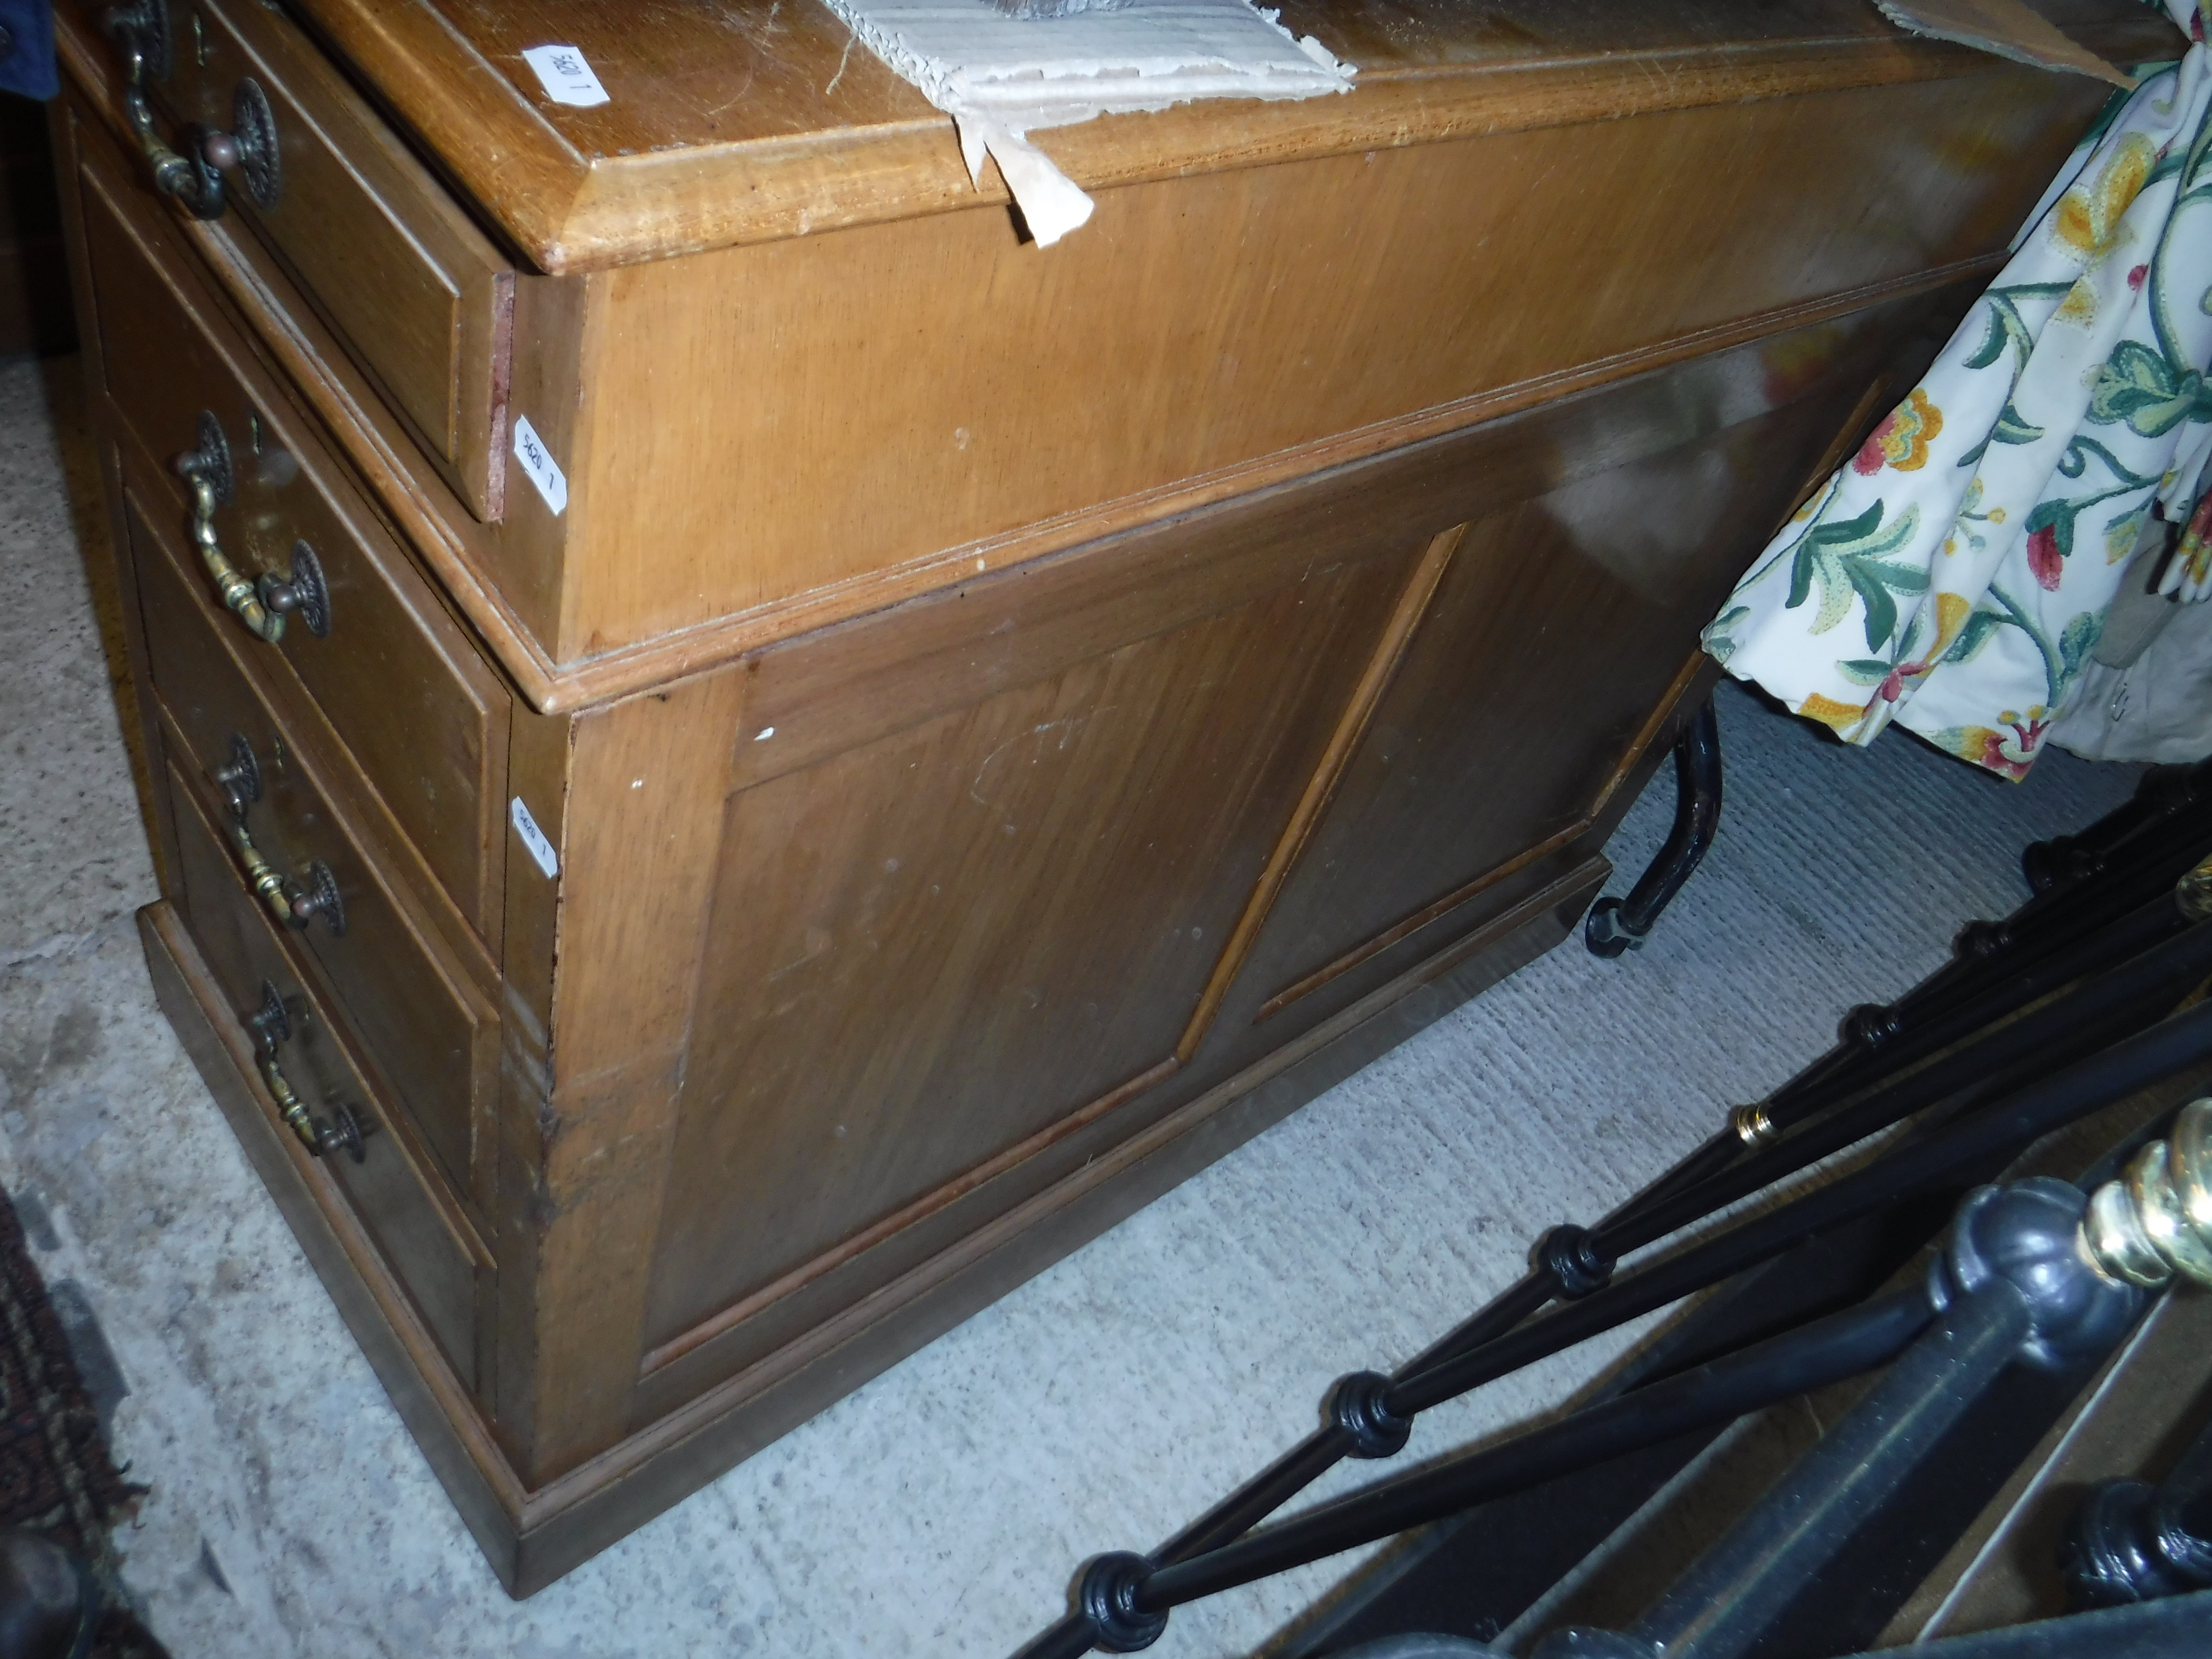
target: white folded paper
1001 77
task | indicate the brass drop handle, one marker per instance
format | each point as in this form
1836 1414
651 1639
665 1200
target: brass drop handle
291 903
193 175
261 604
272 1025
140 30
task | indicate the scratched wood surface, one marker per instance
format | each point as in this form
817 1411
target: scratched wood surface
752 119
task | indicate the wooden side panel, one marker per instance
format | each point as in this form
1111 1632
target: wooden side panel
629 797
886 393
941 949
952 953
1551 641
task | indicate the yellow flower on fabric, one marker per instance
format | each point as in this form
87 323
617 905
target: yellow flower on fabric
1842 716
1902 439
2089 216
2079 307
1952 611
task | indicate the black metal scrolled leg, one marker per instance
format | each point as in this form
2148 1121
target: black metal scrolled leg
1619 924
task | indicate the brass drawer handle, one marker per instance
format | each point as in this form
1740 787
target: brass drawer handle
262 605
288 901
271 1026
193 175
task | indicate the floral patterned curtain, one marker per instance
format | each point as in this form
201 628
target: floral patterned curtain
1954 574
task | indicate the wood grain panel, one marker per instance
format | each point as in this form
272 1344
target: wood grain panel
756 120
686 1435
1553 638
841 687
885 394
537 775
940 945
630 796
398 681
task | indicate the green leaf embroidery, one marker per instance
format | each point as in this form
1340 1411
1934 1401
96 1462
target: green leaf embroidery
2141 387
2121 533
2005 327
2075 461
1846 561
2011 429
1874 581
2074 646
1973 636
1719 644
2009 612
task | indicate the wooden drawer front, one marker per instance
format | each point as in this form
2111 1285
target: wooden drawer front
396 676
420 296
430 1247
426 1030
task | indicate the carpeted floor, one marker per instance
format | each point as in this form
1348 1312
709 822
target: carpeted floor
56 1476
941 1510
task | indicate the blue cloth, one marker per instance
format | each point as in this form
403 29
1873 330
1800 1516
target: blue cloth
27 51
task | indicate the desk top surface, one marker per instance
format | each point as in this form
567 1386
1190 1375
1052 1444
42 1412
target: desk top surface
733 121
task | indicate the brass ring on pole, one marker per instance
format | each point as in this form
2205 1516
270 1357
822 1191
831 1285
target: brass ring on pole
2155 1222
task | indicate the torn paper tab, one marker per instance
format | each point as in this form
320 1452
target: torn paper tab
2007 28
1001 78
1052 204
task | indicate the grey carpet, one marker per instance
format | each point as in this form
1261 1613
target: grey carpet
941 1510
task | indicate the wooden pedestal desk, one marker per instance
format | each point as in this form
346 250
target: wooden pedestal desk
970 732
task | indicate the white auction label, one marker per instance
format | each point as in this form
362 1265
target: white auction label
538 461
533 838
566 76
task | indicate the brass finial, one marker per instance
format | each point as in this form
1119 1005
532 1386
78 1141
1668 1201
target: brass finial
2155 1221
